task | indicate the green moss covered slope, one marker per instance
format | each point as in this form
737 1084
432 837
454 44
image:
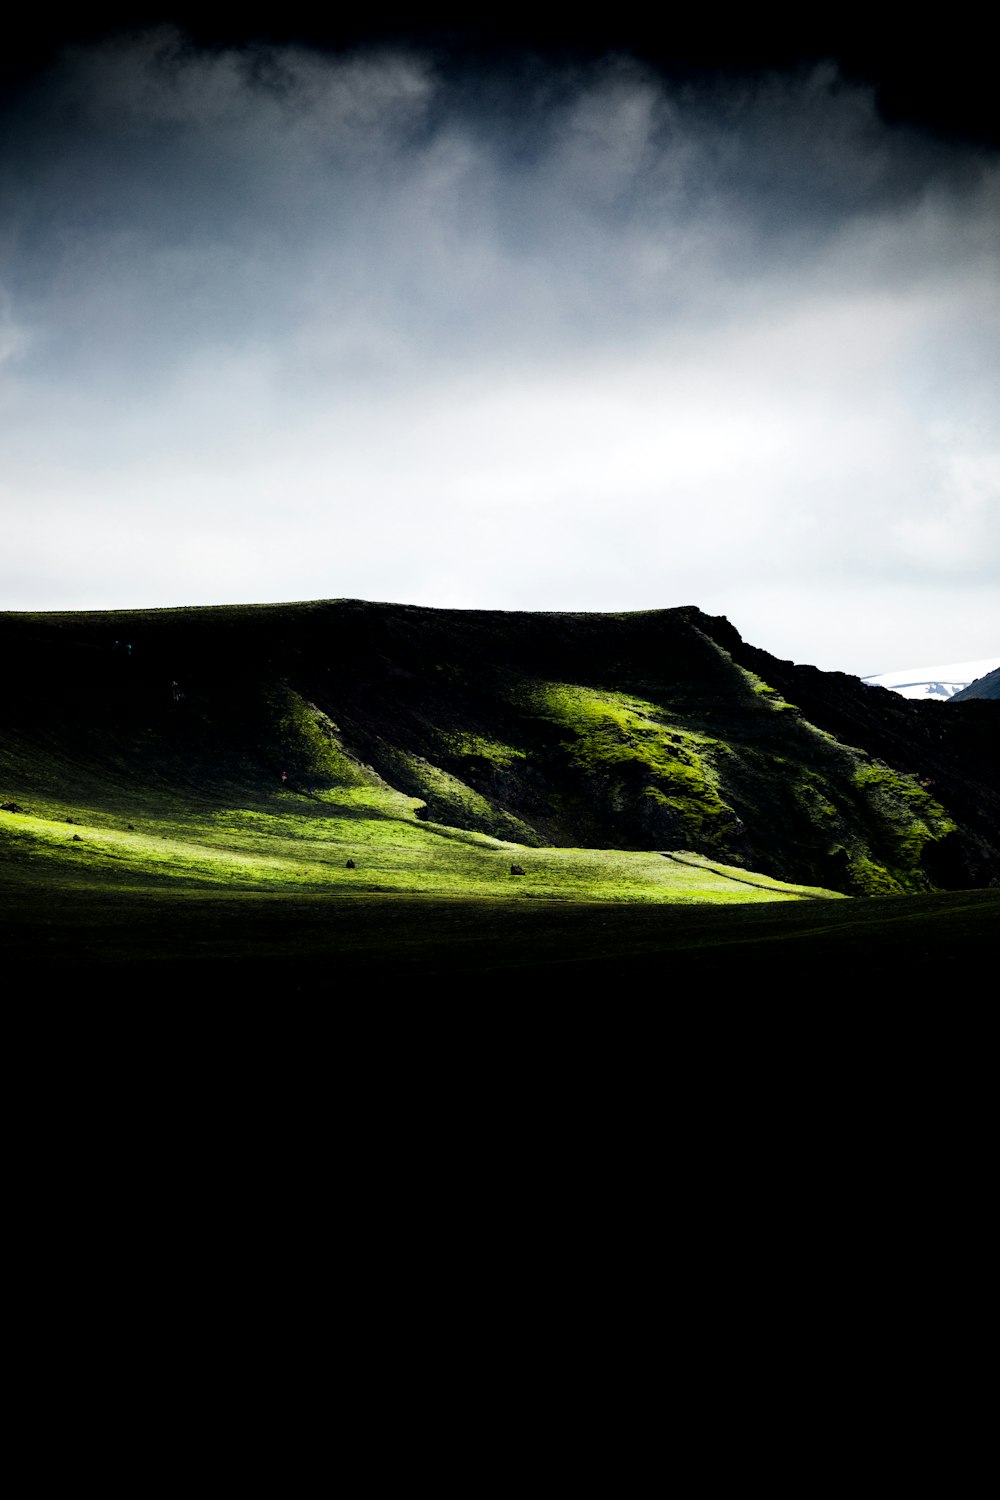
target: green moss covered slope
632 733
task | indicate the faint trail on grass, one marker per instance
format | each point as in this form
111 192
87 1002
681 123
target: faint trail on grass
740 879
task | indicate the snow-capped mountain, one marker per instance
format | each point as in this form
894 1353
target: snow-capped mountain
940 682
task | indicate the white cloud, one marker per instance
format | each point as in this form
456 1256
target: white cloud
302 327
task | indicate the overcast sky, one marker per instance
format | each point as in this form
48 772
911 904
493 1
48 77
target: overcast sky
277 324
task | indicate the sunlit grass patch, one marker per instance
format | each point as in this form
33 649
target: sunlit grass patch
646 751
246 848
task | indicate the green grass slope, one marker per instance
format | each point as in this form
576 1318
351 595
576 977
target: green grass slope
470 740
344 840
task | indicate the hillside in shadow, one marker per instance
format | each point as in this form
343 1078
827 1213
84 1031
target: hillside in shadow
653 730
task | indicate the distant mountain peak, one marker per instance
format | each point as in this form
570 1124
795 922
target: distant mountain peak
940 682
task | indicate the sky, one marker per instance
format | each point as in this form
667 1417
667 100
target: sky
546 329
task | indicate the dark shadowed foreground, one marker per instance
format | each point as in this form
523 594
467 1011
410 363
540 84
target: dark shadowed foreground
263 945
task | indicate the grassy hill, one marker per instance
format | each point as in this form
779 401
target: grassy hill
414 787
658 730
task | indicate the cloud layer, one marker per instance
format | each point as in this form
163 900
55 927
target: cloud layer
276 325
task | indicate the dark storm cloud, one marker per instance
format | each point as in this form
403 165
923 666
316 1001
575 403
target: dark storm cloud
234 189
537 337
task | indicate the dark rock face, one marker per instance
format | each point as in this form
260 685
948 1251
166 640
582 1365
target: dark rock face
983 687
